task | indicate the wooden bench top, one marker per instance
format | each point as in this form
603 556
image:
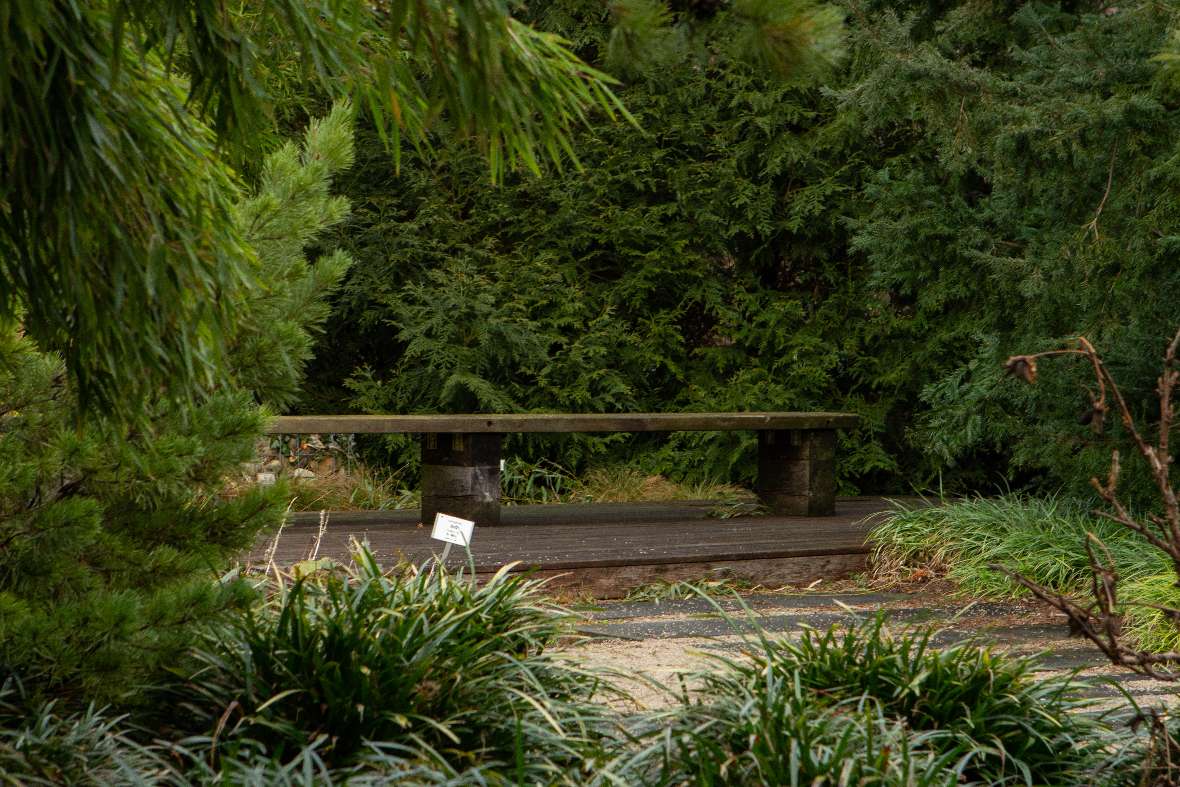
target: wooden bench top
554 422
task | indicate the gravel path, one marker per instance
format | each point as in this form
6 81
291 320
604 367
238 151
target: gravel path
652 644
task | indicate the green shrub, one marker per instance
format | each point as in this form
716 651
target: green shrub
772 733
250 765
110 541
400 671
830 707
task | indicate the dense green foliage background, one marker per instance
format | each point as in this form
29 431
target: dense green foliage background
156 297
971 180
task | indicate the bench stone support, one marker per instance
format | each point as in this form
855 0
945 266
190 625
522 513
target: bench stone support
461 477
797 471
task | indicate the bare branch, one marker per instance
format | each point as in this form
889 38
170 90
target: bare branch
1101 619
1093 225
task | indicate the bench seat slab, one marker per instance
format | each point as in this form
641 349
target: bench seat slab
508 423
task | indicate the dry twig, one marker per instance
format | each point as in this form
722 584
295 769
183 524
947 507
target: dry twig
1101 618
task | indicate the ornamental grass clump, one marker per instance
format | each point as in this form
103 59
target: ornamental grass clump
1037 536
771 732
1148 622
863 705
412 672
43 745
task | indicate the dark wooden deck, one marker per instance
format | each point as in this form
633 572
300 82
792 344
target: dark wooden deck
608 548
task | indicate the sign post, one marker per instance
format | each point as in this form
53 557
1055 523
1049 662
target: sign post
452 530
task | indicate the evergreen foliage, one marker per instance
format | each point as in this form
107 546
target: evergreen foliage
795 40
972 181
270 342
111 539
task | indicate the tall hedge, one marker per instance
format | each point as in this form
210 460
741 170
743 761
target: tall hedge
971 180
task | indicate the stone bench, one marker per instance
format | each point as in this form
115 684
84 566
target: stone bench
461 453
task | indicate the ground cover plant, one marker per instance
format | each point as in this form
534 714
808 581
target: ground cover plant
358 675
1039 537
351 675
865 705
42 745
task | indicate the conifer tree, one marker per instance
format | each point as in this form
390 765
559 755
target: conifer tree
794 40
111 543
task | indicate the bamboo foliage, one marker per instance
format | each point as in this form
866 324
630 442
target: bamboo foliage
119 120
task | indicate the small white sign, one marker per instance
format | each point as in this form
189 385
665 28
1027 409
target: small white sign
452 529
265 479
